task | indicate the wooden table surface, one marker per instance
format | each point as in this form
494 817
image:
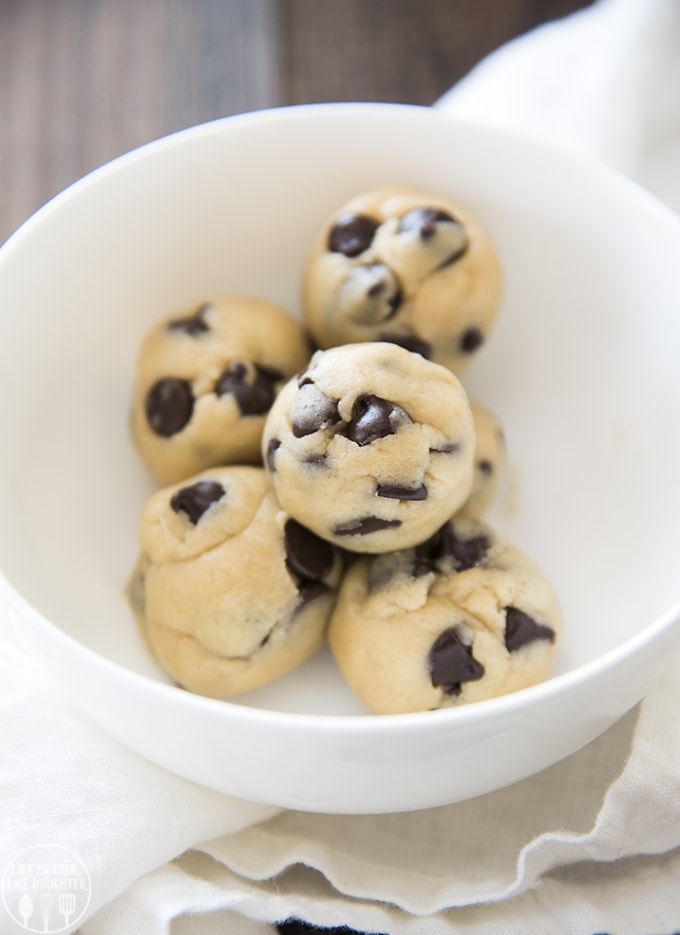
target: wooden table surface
82 81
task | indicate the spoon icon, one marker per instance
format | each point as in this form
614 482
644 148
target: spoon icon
25 909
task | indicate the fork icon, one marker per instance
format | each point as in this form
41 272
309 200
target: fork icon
66 903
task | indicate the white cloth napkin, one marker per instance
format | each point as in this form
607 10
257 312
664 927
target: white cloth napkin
604 82
590 845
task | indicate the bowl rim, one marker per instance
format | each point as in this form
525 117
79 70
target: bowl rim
342 724
365 110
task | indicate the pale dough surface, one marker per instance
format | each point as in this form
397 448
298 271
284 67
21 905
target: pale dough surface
206 377
403 284
371 446
466 617
229 600
490 461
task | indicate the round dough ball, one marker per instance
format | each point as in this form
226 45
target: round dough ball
371 446
490 461
206 378
229 591
464 617
407 266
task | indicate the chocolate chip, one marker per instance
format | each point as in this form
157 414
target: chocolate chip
370 294
270 457
395 492
309 591
421 565
423 221
429 223
316 460
451 663
521 629
374 418
313 410
485 467
445 546
169 405
252 386
364 525
466 553
193 325
195 499
352 234
471 340
307 555
446 449
410 342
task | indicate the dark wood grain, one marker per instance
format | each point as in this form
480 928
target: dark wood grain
82 81
409 51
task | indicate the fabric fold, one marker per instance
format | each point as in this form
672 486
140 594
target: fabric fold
456 855
589 82
66 784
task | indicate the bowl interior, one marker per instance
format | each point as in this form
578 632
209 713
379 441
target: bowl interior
582 369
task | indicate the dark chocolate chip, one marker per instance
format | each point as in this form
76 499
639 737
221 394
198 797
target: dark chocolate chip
374 418
169 405
313 410
485 467
451 663
316 460
424 221
471 340
446 546
447 448
467 553
195 499
193 325
521 629
453 256
379 286
370 294
352 234
421 565
252 386
410 342
427 554
427 222
309 591
364 525
307 555
270 458
395 492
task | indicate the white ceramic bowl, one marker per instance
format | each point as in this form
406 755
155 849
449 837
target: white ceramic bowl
582 370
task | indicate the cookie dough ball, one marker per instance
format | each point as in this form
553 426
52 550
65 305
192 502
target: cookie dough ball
407 266
464 617
229 591
206 378
371 446
490 461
